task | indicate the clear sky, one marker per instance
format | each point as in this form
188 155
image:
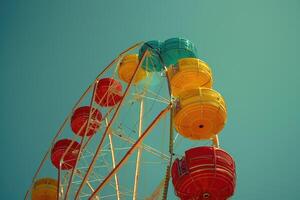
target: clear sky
51 50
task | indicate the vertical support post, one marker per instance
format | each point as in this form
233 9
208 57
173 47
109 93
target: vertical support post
58 180
82 140
139 151
78 172
167 179
215 141
69 115
61 128
98 150
113 161
156 193
130 151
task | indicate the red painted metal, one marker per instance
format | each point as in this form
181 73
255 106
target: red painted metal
107 129
80 118
108 92
204 173
58 151
75 106
82 139
130 151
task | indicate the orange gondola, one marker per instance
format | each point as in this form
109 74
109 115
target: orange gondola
44 189
200 113
127 68
189 73
95 168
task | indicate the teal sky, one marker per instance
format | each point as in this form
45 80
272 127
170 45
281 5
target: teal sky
50 51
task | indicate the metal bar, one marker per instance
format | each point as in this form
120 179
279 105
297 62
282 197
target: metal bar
168 79
89 139
58 187
139 151
154 99
131 150
119 56
81 143
82 139
171 142
215 141
167 179
55 137
143 146
157 95
78 172
156 193
107 128
75 106
113 162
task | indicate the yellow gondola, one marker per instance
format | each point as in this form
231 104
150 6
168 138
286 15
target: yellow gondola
200 113
127 67
189 73
45 188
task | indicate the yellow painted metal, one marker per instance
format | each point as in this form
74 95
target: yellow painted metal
189 73
200 113
215 141
127 67
45 188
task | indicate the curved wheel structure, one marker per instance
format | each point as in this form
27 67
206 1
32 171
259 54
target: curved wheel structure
118 141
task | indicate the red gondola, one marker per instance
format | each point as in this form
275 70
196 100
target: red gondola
80 119
59 150
108 92
196 111
204 173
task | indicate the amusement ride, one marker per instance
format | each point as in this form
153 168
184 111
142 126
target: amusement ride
127 135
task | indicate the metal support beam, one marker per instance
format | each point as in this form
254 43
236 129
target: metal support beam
143 146
215 141
70 114
171 142
131 150
108 127
112 149
139 151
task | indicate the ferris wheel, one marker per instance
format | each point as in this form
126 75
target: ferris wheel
149 117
